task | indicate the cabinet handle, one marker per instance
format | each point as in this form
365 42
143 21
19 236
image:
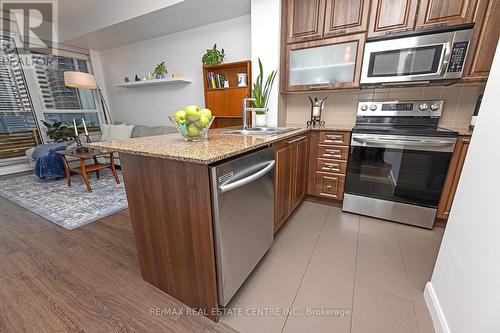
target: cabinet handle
319 86
296 140
329 186
338 32
397 31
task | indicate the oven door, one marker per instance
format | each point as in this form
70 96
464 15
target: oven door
404 169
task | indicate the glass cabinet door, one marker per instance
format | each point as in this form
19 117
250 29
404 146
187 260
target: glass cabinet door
324 66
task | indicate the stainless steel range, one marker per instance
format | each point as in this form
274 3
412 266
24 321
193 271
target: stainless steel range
398 161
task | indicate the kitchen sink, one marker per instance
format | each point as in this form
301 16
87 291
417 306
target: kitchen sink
261 131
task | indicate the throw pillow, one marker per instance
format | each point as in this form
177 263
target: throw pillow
119 132
105 131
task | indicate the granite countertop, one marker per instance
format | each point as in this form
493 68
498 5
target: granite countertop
172 146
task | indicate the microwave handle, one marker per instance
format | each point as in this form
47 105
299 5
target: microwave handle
446 58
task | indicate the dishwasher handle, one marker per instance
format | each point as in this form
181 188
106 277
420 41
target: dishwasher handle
242 182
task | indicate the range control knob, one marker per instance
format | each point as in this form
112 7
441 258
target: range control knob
423 107
373 107
435 107
364 107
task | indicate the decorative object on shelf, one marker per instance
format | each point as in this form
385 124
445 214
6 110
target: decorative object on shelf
87 136
177 75
81 80
160 71
126 79
226 84
213 57
57 131
316 109
261 92
193 123
149 75
242 79
79 147
137 78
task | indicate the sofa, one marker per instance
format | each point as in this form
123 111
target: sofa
138 131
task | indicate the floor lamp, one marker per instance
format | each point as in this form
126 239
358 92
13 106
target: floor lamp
81 80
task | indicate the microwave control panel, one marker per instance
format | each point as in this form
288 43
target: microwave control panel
457 58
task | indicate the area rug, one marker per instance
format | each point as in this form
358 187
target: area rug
69 207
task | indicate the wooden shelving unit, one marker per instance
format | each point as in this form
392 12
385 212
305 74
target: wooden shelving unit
226 103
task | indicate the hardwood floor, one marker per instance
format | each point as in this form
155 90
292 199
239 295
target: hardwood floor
86 280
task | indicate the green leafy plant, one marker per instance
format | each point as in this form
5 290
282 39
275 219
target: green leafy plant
161 68
213 57
261 91
58 131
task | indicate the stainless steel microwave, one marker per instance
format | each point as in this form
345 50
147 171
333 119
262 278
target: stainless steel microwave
424 57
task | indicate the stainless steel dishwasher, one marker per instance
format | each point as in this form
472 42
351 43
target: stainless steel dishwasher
243 209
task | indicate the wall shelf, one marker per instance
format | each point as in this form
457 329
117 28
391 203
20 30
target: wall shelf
153 82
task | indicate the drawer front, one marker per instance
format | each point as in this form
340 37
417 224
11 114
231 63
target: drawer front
333 152
332 166
334 138
330 185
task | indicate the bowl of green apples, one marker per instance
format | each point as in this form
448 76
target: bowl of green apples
193 123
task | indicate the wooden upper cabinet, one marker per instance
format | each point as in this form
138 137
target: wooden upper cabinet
330 63
486 34
346 16
434 13
391 16
305 19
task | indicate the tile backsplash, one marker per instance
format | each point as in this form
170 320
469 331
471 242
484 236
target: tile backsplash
340 106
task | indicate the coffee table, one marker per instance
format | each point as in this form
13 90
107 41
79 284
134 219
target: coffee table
84 169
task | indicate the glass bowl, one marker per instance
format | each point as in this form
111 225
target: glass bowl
191 130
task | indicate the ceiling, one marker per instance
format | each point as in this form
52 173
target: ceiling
182 16
69 8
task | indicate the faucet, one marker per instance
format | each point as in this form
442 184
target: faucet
246 109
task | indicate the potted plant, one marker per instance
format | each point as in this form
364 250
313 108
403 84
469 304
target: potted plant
213 57
160 71
261 92
57 131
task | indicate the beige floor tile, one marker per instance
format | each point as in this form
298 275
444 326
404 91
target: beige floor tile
318 324
340 220
378 312
296 241
376 228
419 238
382 267
273 284
424 320
419 266
336 249
311 212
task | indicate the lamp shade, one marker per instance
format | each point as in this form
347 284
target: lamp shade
79 80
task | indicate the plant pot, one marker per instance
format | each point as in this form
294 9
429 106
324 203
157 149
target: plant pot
160 76
261 120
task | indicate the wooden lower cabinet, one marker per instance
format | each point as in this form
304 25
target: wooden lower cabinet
454 173
290 176
329 152
330 185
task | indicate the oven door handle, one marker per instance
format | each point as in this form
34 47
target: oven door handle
421 143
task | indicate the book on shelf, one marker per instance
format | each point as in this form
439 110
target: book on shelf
215 80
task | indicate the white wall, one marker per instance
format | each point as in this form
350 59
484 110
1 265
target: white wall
266 45
183 52
466 278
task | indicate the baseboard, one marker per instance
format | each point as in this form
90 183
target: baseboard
437 315
10 169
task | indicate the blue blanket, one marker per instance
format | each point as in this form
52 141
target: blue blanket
49 164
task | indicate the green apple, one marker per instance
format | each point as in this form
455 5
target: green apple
181 117
203 121
192 130
192 112
206 112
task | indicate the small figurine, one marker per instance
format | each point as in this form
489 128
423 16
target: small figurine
126 79
137 78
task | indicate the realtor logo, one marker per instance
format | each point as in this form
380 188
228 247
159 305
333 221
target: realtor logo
34 21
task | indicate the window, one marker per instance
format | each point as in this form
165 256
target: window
18 129
58 102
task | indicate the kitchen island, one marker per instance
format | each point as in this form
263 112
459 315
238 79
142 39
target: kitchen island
167 183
